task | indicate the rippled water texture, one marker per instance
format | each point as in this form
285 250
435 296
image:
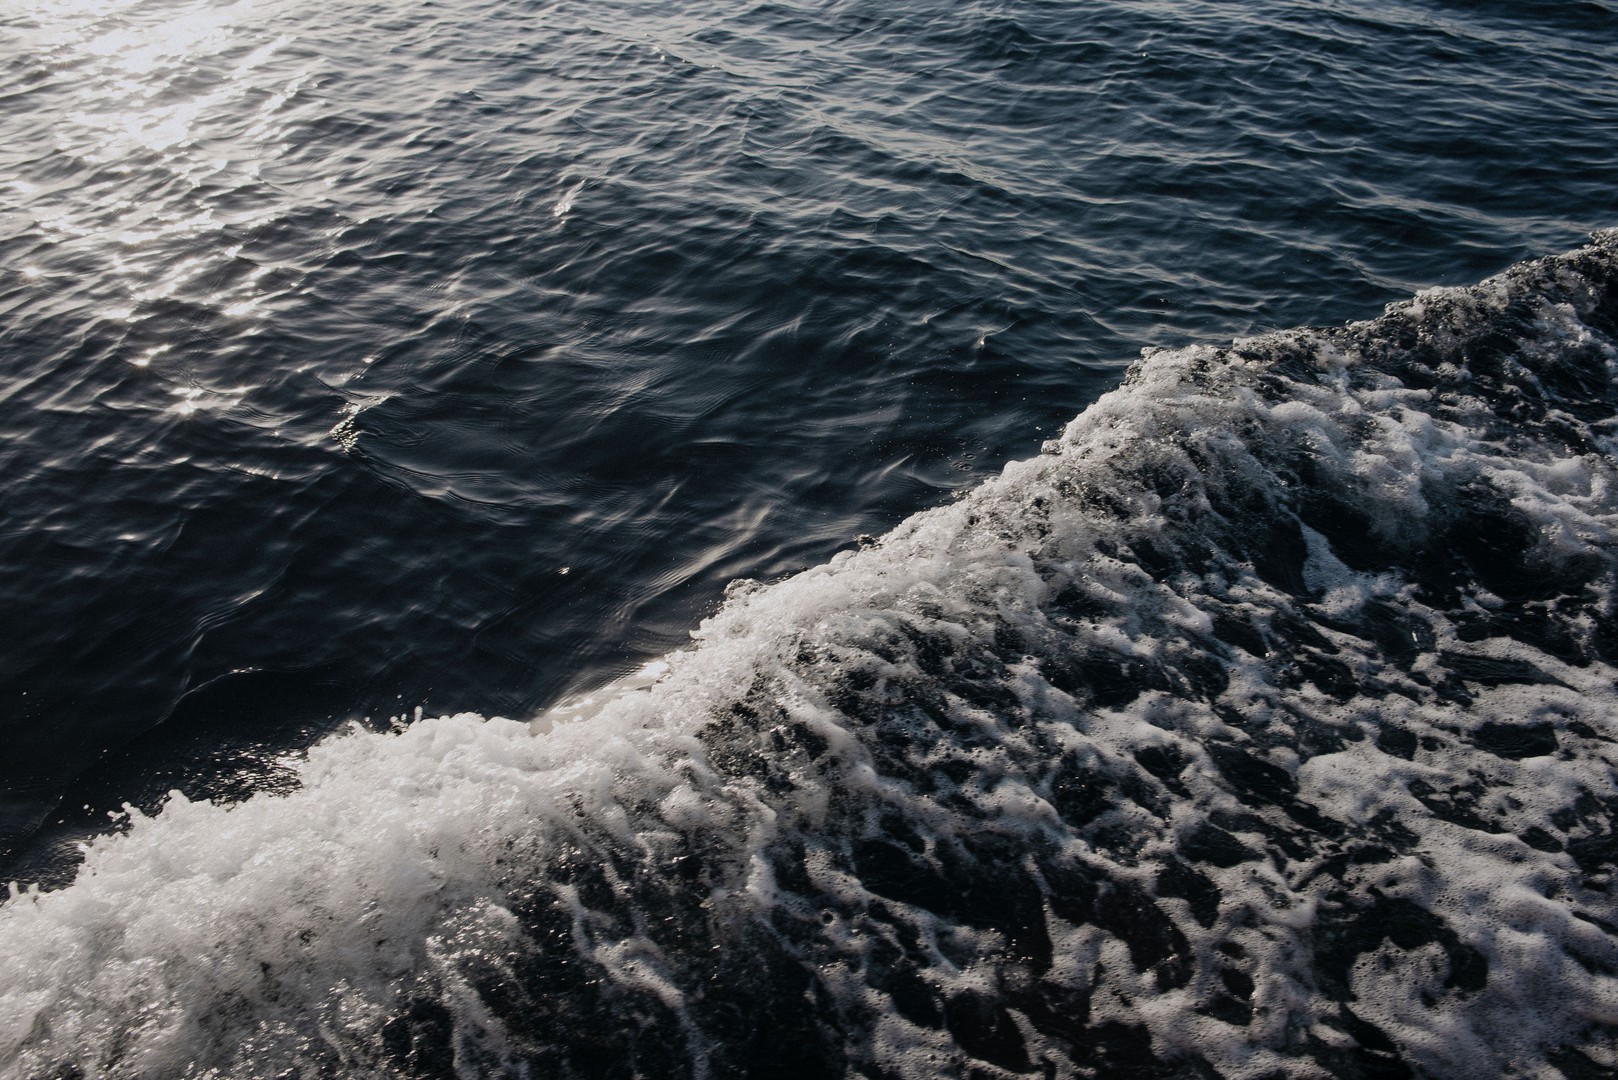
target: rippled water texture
366 356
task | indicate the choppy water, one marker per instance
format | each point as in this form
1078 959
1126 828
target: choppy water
456 356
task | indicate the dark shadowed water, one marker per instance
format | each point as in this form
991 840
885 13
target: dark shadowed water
369 358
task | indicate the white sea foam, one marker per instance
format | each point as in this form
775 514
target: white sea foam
1266 722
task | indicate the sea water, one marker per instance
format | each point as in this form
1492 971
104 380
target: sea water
374 363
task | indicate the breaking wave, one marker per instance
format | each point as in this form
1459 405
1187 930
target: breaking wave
1261 726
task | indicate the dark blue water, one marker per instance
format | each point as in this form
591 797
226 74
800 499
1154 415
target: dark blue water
367 358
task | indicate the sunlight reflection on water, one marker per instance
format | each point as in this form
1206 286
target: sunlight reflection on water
148 159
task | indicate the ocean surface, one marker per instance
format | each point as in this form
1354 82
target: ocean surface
808 539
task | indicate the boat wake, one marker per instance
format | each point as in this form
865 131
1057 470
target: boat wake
1261 726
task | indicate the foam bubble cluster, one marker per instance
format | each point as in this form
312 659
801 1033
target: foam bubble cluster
1263 726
